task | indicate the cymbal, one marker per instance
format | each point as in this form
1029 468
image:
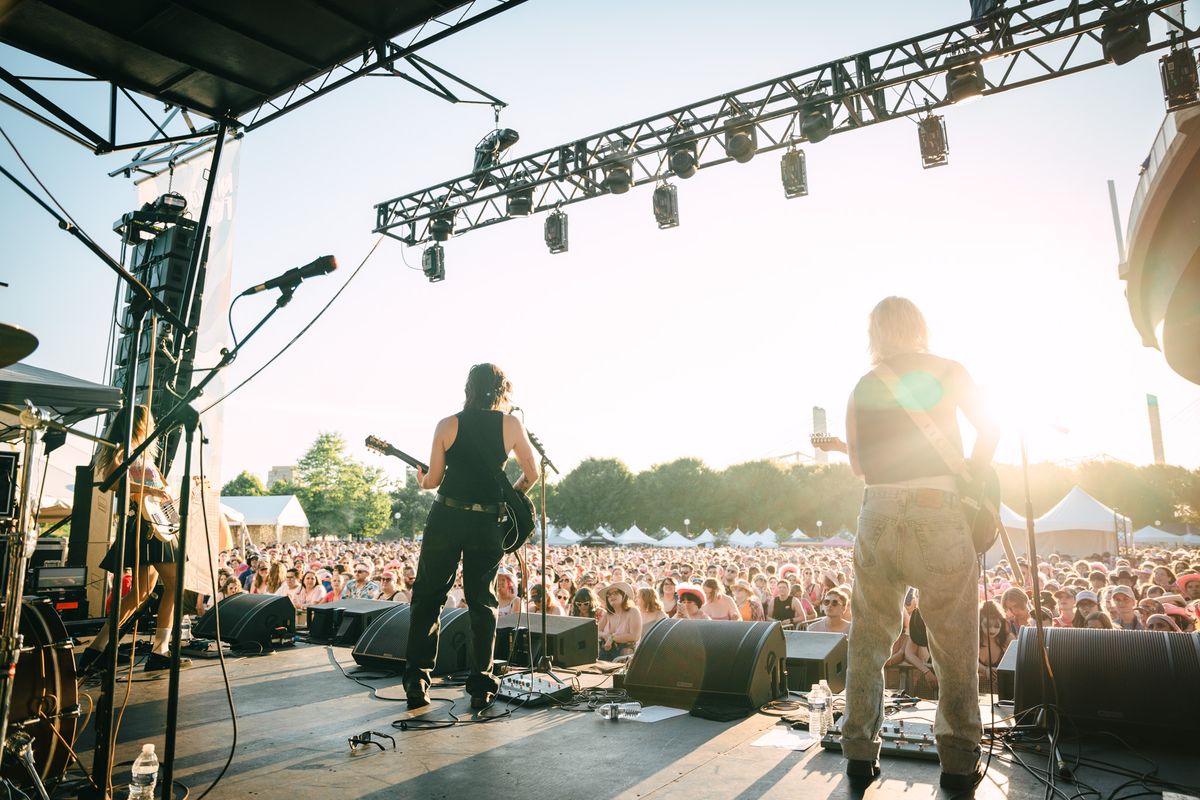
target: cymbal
15 344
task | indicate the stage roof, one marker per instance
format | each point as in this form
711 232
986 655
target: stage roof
215 57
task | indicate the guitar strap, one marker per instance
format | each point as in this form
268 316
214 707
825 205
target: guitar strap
937 439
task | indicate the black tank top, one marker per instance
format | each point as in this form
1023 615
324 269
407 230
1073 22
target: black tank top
782 609
468 478
891 447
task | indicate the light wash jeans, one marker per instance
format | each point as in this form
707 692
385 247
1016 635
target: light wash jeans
914 537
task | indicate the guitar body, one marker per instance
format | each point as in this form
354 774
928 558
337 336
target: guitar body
162 517
980 499
518 520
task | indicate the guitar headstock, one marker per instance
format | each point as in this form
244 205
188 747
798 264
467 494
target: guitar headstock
828 443
380 446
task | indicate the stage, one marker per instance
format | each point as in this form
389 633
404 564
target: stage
296 712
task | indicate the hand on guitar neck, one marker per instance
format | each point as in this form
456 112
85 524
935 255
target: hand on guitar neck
830 444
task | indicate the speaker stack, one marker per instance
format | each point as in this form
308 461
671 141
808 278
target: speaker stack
570 641
813 657
384 644
1108 678
689 663
342 622
265 621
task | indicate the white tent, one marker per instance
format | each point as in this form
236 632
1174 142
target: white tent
271 520
676 540
800 537
1191 540
566 534
1078 526
705 538
1014 526
740 539
1151 535
635 536
765 539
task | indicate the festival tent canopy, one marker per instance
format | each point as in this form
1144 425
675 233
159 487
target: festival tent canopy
765 539
837 541
1011 519
705 538
566 534
1079 525
739 539
635 536
676 540
1191 539
801 537
1156 536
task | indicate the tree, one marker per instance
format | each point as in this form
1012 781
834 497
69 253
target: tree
247 484
412 504
597 492
339 495
666 494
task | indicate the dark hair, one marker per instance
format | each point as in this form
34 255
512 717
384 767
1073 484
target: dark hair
487 387
585 595
990 610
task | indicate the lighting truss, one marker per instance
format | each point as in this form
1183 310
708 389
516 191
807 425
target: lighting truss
1026 44
171 136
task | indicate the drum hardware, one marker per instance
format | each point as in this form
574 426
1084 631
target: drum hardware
20 745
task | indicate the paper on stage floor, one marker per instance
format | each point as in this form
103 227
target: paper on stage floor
786 738
657 713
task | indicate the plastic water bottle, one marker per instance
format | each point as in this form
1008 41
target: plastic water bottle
185 629
145 775
818 705
616 711
828 724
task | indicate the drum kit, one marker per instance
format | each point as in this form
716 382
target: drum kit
39 701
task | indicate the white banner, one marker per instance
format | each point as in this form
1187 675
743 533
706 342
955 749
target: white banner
190 180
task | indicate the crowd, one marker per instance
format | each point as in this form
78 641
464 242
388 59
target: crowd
629 589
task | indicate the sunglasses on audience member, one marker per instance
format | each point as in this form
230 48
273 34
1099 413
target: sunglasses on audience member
831 602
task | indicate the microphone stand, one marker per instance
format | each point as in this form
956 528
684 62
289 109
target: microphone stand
545 663
184 414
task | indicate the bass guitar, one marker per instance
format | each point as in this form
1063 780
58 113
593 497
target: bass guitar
162 516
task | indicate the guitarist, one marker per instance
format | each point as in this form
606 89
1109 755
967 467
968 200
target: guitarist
464 524
912 532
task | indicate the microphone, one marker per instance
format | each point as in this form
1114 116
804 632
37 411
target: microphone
290 279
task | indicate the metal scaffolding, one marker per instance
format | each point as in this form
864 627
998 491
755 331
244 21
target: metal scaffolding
1013 47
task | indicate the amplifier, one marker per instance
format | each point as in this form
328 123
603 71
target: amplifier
343 621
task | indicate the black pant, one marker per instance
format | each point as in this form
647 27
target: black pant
452 534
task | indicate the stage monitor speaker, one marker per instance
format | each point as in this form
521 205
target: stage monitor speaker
265 621
341 622
686 663
1113 678
813 657
571 641
384 643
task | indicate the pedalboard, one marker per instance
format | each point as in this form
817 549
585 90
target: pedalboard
901 738
533 690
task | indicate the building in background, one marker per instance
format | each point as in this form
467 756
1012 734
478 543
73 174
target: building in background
285 474
271 520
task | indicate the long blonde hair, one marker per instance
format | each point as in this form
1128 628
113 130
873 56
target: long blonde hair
109 457
896 326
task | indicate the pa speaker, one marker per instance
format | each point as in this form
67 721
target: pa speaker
686 663
343 621
813 657
570 641
1112 678
249 620
384 643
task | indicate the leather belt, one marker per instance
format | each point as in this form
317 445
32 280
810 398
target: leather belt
924 498
483 508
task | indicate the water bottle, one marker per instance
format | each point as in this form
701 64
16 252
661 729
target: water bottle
185 629
818 705
616 711
145 775
828 725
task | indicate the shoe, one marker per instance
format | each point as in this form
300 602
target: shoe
861 770
955 782
156 662
482 701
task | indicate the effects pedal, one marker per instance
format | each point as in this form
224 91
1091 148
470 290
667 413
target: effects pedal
901 738
532 691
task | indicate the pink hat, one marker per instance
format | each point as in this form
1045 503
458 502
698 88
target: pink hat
1183 580
695 592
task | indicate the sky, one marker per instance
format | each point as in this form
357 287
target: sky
714 339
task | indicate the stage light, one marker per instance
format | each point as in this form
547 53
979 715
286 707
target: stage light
794 173
555 231
520 200
964 78
1125 35
433 263
666 205
741 139
816 118
618 172
172 203
441 226
1181 88
490 149
935 148
682 160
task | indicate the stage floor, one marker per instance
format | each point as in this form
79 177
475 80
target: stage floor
296 711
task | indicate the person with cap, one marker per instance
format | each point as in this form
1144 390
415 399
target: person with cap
621 627
1162 624
912 532
465 525
689 602
1189 586
1086 603
1125 614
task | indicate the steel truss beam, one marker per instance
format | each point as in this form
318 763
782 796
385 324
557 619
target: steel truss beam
170 137
1018 46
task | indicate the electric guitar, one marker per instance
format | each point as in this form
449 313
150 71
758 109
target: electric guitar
978 493
162 517
380 446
